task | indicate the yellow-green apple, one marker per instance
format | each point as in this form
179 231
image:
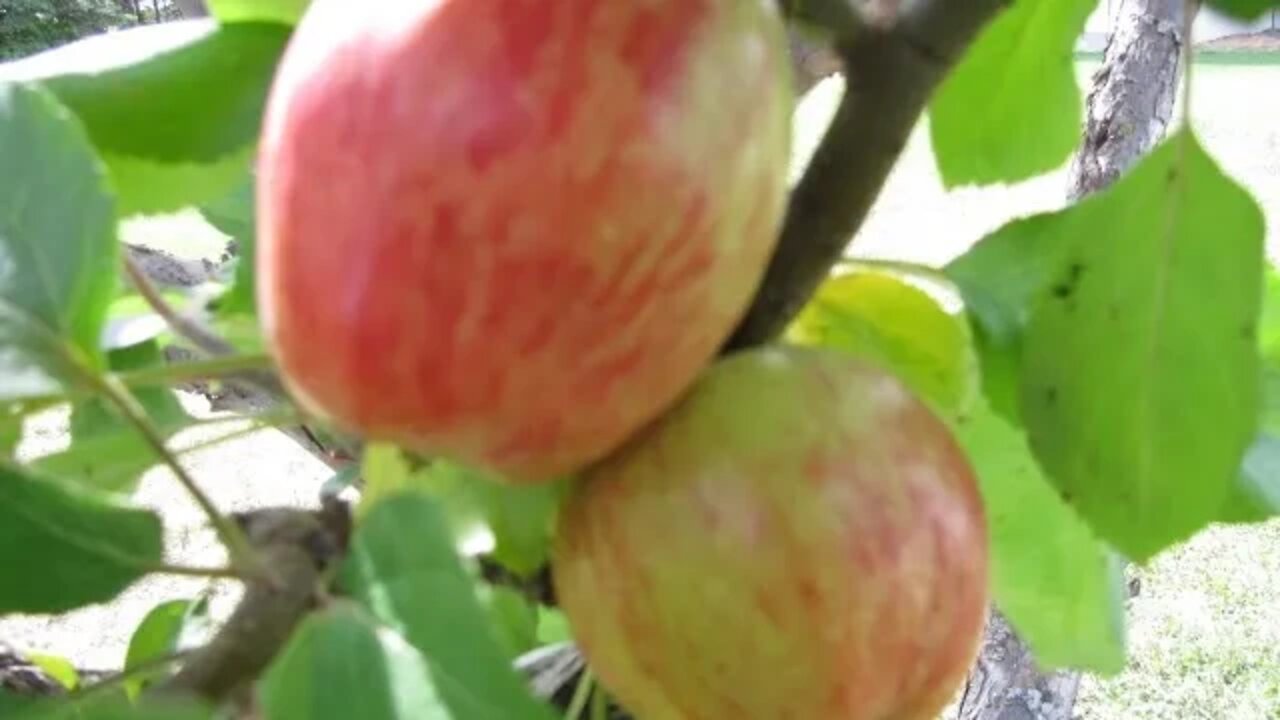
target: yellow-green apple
799 537
511 232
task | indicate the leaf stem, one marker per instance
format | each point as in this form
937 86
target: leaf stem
227 573
580 695
208 369
599 704
243 556
1190 8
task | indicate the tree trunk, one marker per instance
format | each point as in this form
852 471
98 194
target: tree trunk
1133 93
1129 110
191 8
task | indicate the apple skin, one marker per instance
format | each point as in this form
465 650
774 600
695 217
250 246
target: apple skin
800 537
512 232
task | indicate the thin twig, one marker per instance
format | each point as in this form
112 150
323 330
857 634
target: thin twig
195 333
182 325
265 383
242 554
213 368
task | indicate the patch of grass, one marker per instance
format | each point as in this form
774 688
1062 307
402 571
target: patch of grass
1204 634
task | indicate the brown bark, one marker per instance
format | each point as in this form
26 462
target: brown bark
892 62
191 8
1006 684
1128 112
1131 103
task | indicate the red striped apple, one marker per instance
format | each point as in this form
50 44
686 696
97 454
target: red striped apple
800 537
512 232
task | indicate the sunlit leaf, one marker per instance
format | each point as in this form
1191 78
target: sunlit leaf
886 315
284 11
553 627
57 667
1011 108
155 637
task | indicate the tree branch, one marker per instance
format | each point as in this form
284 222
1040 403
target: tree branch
892 65
300 546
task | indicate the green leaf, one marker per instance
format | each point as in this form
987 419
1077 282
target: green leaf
57 246
1140 377
1058 585
234 215
516 520
421 590
194 103
106 452
340 665
1269 322
62 547
553 627
1011 109
888 316
10 430
174 109
11 704
1256 495
58 668
519 518
112 462
514 618
155 637
1000 278
284 11
95 417
110 706
1244 9
148 187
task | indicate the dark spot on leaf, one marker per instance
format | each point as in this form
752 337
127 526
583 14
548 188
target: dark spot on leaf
1066 496
1113 311
1247 332
1172 176
1067 287
1051 395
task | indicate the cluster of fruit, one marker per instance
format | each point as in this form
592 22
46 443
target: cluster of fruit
517 234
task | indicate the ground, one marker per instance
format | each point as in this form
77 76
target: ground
1204 637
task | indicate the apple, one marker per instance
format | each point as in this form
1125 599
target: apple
511 232
799 537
